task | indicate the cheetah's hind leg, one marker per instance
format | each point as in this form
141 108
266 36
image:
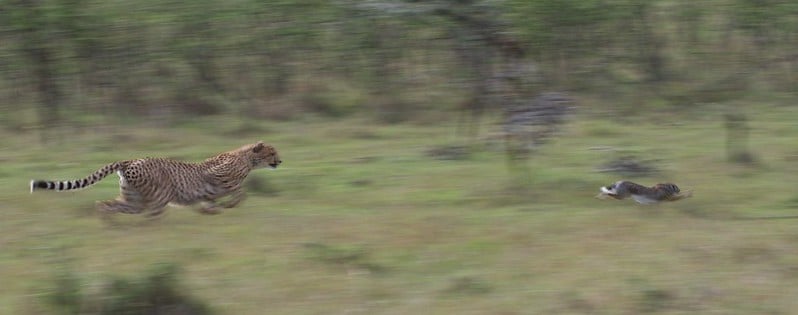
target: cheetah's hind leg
108 208
156 210
154 214
119 206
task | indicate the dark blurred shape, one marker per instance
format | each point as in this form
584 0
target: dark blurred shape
492 58
737 131
468 286
259 185
652 297
653 300
529 124
629 166
352 258
156 292
67 297
449 152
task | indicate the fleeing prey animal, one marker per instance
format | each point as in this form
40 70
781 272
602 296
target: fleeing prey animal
147 185
642 194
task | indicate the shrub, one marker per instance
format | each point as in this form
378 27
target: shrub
156 292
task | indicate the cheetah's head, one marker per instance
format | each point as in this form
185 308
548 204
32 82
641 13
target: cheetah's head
264 155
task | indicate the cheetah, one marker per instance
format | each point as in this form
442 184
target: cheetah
148 185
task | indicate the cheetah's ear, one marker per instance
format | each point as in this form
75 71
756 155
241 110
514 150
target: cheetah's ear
258 147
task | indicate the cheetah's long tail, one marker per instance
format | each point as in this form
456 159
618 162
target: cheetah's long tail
78 183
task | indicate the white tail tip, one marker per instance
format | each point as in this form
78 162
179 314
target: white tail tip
32 181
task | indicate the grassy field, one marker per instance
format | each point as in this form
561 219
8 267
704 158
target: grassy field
361 220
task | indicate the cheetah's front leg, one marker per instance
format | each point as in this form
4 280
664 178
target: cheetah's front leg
237 196
210 207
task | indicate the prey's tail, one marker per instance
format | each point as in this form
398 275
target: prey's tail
78 183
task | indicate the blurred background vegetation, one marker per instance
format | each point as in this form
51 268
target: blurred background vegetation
396 120
81 62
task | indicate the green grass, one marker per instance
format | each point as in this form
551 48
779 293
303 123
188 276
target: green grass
359 220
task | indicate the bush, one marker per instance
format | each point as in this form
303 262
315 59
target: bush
332 98
67 296
356 257
157 292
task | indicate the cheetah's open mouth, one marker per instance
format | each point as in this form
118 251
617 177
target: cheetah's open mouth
273 165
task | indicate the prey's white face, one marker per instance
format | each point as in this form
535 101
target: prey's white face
605 193
611 189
